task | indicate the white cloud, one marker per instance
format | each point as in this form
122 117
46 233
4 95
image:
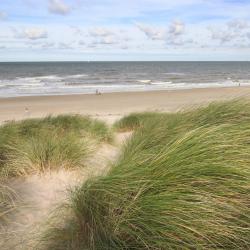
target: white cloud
100 42
3 15
35 33
153 32
124 47
223 36
169 34
177 28
31 33
76 30
48 45
100 32
233 30
63 45
59 7
104 36
81 42
91 46
107 40
180 42
238 25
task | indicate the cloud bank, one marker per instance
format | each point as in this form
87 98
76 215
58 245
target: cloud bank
138 29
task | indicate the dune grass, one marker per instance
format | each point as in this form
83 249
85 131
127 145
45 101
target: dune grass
214 113
133 121
182 182
33 145
8 200
38 145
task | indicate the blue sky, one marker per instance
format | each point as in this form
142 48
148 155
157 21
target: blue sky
107 30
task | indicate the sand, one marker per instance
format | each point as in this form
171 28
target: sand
112 106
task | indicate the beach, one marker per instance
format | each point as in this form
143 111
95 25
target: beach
127 127
44 158
112 106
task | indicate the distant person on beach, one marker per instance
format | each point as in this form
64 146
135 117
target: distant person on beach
97 92
238 82
27 112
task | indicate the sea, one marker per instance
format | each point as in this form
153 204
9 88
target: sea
63 78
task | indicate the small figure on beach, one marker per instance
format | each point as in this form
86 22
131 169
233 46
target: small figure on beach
26 111
237 81
97 92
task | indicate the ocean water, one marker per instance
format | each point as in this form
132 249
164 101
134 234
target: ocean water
59 78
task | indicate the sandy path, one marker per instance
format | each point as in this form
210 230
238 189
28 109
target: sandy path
40 194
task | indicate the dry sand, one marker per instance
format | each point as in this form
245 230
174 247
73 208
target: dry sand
112 106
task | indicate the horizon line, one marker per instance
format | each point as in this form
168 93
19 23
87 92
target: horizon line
110 61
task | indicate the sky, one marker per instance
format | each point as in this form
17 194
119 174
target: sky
127 30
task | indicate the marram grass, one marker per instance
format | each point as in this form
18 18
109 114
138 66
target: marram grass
36 145
8 200
39 145
133 121
214 113
183 182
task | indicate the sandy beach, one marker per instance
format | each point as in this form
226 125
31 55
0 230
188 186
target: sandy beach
127 127
112 106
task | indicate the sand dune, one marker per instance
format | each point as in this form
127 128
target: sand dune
41 194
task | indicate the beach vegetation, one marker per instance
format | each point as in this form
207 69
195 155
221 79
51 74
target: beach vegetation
181 182
36 145
133 121
8 200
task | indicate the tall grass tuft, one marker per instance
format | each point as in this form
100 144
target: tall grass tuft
181 183
8 200
133 121
36 145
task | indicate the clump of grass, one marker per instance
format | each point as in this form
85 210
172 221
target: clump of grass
181 183
49 151
133 121
7 203
81 125
213 113
35 145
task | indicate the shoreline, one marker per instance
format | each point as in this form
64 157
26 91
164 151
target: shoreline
126 91
112 106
